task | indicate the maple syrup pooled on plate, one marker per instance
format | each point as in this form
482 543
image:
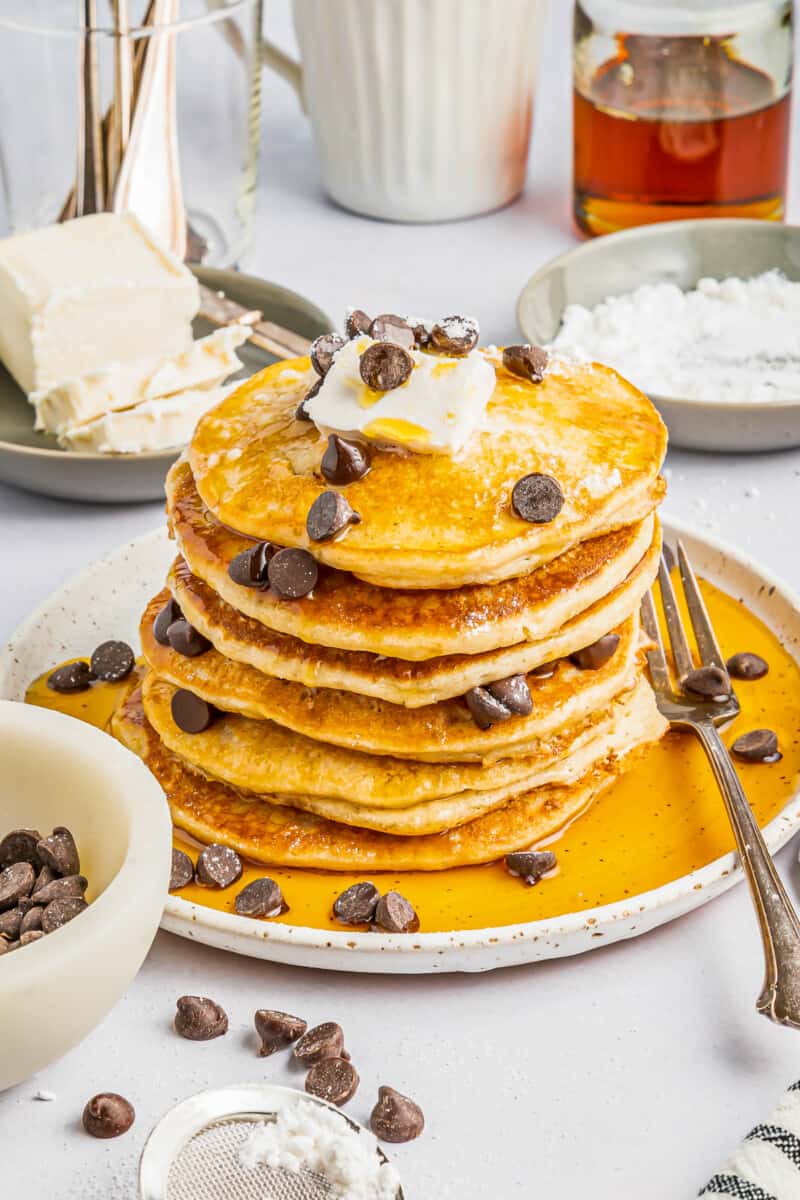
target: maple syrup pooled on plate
680 111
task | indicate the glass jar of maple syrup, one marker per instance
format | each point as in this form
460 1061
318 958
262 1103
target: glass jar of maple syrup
681 109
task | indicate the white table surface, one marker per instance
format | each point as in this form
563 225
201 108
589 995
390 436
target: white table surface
628 1073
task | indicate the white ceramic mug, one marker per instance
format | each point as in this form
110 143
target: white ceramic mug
421 109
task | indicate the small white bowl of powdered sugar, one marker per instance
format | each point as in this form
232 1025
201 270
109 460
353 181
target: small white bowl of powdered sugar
702 315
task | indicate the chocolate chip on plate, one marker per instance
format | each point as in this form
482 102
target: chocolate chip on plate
20 846
537 498
182 871
328 516
31 921
357 904
68 887
186 640
499 701
741 666
396 1118
169 613
322 351
250 567
113 661
334 1079
384 366
293 573
527 361
708 682
596 655
394 914
16 882
759 745
301 412
60 912
344 462
218 866
73 677
323 1041
59 852
191 713
388 327
261 898
455 335
108 1115
356 322
277 1030
199 1019
530 865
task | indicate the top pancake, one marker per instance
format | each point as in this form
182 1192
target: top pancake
435 521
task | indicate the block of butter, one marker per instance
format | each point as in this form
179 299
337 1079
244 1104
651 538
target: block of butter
153 425
206 363
92 291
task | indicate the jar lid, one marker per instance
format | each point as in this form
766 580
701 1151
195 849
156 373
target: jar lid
673 18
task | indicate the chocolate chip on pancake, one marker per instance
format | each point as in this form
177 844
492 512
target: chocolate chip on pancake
170 613
357 322
321 1042
261 898
60 912
186 640
301 412
218 866
199 1019
108 1115
356 905
530 865
182 872
73 677
485 708
595 656
455 335
277 1030
330 515
527 361
708 682
388 327
760 745
499 701
384 366
250 568
537 498
322 351
545 670
60 852
292 573
343 461
113 661
396 1118
16 882
20 846
191 713
334 1080
395 914
746 665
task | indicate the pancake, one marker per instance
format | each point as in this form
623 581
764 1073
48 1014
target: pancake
274 835
443 732
257 470
413 684
348 614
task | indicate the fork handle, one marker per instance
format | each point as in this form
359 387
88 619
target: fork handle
780 928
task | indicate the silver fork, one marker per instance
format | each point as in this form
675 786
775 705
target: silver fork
780 928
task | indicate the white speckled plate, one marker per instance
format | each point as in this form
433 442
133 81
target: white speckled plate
106 601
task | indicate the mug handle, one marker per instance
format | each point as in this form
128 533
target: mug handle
284 65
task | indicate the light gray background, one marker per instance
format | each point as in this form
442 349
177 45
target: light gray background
627 1073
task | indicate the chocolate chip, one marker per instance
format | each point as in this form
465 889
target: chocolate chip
384 366
5 946
708 682
191 713
113 661
74 677
344 462
59 912
250 567
108 1115
530 865
486 710
60 852
301 412
357 322
10 922
323 349
20 846
45 876
335 1080
528 361
182 871
422 335
199 1019
394 914
545 670
261 898
396 1118
16 881
70 887
25 939
593 657
496 702
321 1042
455 335
186 640
760 745
328 516
218 866
356 905
388 327
169 613
277 1030
31 921
741 666
292 573
537 498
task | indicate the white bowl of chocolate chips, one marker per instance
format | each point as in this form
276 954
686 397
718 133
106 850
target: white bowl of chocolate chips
85 848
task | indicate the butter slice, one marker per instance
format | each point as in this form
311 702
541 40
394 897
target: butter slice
92 291
206 363
152 425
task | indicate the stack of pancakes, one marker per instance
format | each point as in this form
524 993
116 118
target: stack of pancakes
355 727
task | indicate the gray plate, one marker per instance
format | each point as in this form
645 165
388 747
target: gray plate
33 460
680 252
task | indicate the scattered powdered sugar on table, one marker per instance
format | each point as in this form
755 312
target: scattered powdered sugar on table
728 341
309 1137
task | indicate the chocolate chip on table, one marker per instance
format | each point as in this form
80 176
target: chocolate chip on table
527 361
261 898
250 567
356 322
199 1019
108 1115
596 655
455 335
186 640
394 914
293 573
530 865
388 327
322 351
68 887
167 615
113 661
334 1079
59 852
741 666
396 1118
708 682
74 677
328 516
10 922
20 846
344 462
16 882
537 498
759 745
191 713
499 701
31 921
277 1030
384 366
323 1041
182 871
60 912
357 904
301 412
218 866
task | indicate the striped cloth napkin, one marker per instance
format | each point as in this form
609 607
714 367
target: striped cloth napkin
767 1164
